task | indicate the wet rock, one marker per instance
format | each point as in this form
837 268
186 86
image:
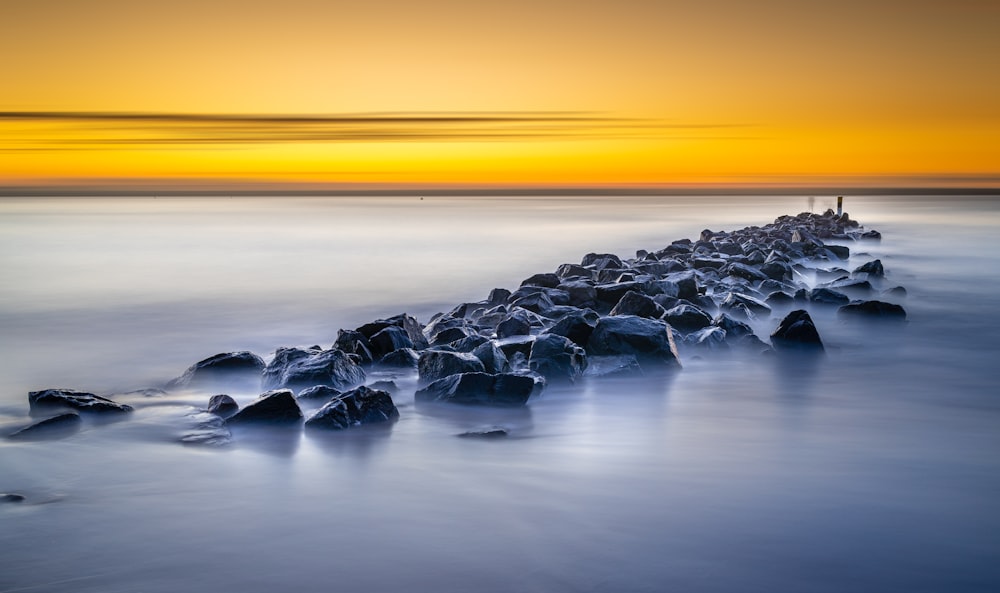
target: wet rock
493 359
557 358
323 392
77 400
222 405
55 427
826 296
493 432
272 407
776 270
468 344
687 284
599 261
479 389
11 497
545 280
515 324
388 340
206 429
354 342
646 339
517 345
404 358
895 291
437 364
414 330
746 304
582 294
297 368
227 368
873 268
624 365
687 318
708 338
839 251
576 326
362 405
796 332
609 294
878 309
732 327
746 272
634 303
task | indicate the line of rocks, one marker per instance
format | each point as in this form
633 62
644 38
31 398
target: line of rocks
604 316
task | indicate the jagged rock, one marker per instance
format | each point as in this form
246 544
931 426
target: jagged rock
687 318
851 287
242 368
354 342
895 291
546 280
613 366
647 339
557 358
452 334
468 344
77 400
745 304
222 405
873 268
581 293
319 392
272 407
402 358
733 327
776 270
493 359
515 345
708 338
479 389
12 497
437 364
576 326
839 251
206 429
359 406
599 261
796 331
51 428
493 432
746 272
873 309
297 368
414 330
826 296
687 284
634 303
613 292
516 323
573 271
388 340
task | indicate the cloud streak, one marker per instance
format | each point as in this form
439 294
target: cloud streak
78 130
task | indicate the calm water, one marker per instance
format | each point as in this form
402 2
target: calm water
876 469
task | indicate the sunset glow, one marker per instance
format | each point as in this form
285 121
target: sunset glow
447 94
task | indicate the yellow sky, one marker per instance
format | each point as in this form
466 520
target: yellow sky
514 93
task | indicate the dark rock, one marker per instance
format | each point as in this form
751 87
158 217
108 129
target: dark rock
601 260
895 291
319 392
206 429
746 272
611 293
573 271
873 309
493 359
873 268
11 497
437 364
687 284
537 302
708 338
452 334
222 405
51 428
687 318
623 365
779 299
546 280
493 432
226 368
796 331
557 358
776 270
404 358
634 303
384 385
826 296
273 407
713 263
414 330
479 389
748 305
498 296
871 236
581 293
839 251
576 326
647 339
362 405
859 288
388 340
516 324
732 327
516 345
354 342
77 400
297 368
468 344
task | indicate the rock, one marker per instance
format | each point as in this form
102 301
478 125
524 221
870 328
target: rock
222 405
746 272
354 342
493 359
11 497
687 318
359 406
573 271
873 268
827 296
452 334
776 270
634 303
77 400
687 284
796 331
479 389
437 364
599 261
733 327
51 428
414 330
227 368
319 392
647 339
545 280
515 324
273 407
297 368
404 358
708 338
895 291
839 251
206 429
536 302
493 432
468 344
576 326
613 366
557 358
581 293
736 301
388 340
873 309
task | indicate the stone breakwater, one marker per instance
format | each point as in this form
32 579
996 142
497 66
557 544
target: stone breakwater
604 316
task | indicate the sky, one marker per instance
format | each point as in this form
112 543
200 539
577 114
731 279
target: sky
543 93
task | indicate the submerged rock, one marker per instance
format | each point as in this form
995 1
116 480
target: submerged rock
11 497
362 405
479 389
298 368
319 392
55 427
557 358
225 368
77 400
493 432
223 405
878 309
207 429
273 407
796 331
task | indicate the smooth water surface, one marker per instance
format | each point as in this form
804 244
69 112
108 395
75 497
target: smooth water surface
875 468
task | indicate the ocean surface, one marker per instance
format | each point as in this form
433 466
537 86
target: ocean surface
876 468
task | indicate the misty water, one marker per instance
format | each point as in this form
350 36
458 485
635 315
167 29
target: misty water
875 468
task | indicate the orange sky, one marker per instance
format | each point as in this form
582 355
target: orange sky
515 93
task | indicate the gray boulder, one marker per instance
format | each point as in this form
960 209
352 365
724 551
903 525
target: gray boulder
647 339
557 358
437 364
272 407
227 368
687 318
319 392
479 389
76 400
634 303
493 359
222 405
298 368
873 268
388 340
404 358
359 406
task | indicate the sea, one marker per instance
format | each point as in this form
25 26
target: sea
875 467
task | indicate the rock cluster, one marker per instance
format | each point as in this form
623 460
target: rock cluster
603 316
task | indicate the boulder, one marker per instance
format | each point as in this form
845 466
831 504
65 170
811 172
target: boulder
581 293
354 342
634 303
878 309
826 296
576 326
623 365
222 405
298 368
545 280
438 364
687 284
388 340
873 268
573 271
77 400
493 359
479 389
414 330
796 331
272 407
205 429
227 368
51 428
647 339
687 318
557 358
324 392
361 405
404 358
516 323
746 272
492 432
744 303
